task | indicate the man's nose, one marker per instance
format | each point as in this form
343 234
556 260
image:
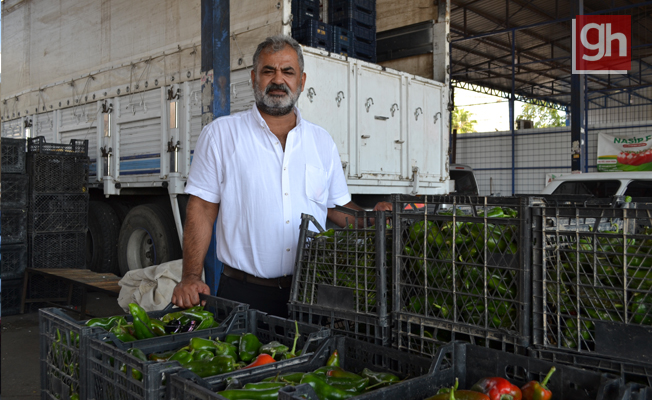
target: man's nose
278 77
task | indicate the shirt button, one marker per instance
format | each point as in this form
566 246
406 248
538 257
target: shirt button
287 249
286 194
285 168
276 143
287 222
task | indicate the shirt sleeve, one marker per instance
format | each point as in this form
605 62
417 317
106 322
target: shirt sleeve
338 192
205 177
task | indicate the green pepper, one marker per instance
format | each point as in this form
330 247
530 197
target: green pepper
138 312
136 352
641 309
182 356
274 349
264 385
226 349
322 371
377 378
250 394
121 334
333 360
248 347
199 355
323 390
161 356
106 323
206 323
177 314
198 343
232 339
142 330
157 327
348 384
216 366
293 378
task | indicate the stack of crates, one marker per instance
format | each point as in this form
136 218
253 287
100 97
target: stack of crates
354 26
58 209
307 27
13 251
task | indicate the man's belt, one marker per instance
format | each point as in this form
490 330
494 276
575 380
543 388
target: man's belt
282 282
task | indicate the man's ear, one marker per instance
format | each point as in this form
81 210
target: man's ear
303 81
253 78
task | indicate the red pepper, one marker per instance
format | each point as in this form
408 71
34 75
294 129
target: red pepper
262 359
534 390
497 389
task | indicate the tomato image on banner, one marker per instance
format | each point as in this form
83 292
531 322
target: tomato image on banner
624 153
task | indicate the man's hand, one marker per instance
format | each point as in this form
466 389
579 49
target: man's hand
383 206
186 293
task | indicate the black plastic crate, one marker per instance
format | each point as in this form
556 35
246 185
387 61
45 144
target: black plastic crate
342 276
342 41
316 34
364 51
14 260
107 381
75 147
638 373
592 281
56 327
15 188
57 250
58 173
633 391
360 32
354 356
364 12
304 10
462 271
13 226
469 364
12 292
13 155
58 213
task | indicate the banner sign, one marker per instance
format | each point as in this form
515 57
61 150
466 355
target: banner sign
602 44
624 153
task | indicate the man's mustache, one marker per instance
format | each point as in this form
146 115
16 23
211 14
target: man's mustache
274 86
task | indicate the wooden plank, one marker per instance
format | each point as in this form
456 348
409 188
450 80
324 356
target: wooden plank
392 14
102 281
421 65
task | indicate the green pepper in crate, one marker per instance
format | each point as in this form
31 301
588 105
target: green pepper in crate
215 366
379 378
641 309
232 339
122 334
226 349
264 385
142 329
250 394
183 356
198 343
160 357
199 355
157 327
274 349
248 347
136 352
323 389
106 323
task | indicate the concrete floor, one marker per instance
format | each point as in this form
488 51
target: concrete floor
20 347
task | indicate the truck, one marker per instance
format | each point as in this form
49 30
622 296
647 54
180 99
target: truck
126 77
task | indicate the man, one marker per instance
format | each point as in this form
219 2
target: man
260 169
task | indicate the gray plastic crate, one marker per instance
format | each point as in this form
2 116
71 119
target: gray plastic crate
14 225
341 277
15 188
462 271
59 212
355 355
14 261
13 155
592 277
105 360
58 173
59 380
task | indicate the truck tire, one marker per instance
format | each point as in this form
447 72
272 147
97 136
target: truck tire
147 237
102 238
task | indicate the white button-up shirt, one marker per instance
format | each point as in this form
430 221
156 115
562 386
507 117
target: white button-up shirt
239 163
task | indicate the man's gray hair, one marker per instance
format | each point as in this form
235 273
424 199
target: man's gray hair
277 43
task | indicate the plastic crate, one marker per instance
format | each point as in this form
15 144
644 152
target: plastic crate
364 51
635 391
364 12
13 156
354 356
631 372
304 10
58 250
12 291
14 190
341 278
55 327
58 213
316 34
462 273
107 381
359 32
470 363
342 41
14 261
14 226
75 147
58 173
592 276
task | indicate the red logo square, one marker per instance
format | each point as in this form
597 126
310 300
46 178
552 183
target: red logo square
602 44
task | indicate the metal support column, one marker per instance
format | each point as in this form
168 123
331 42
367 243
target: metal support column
577 107
215 88
512 97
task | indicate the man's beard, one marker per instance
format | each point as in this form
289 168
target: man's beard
276 105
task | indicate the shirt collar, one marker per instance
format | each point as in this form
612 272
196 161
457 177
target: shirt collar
263 124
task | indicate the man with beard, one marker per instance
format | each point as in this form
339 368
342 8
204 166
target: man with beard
260 169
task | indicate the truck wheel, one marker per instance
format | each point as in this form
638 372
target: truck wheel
102 238
147 237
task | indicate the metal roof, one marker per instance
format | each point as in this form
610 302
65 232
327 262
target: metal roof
485 33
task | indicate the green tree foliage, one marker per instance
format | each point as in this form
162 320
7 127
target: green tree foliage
462 121
543 117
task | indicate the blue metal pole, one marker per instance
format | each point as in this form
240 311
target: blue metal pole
577 105
511 112
216 82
